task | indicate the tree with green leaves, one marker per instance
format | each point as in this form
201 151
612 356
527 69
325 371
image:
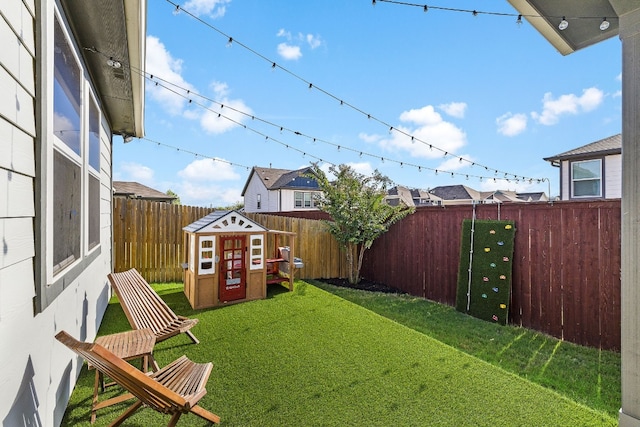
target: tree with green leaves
175 201
358 210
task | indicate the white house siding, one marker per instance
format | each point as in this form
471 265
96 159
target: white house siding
254 188
565 181
36 372
613 176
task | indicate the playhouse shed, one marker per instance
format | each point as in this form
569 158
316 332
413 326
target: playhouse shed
226 260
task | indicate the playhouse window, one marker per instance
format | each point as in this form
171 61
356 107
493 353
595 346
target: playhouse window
206 256
256 251
259 201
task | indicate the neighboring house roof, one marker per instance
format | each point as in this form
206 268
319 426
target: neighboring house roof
135 190
399 195
456 192
114 30
603 147
533 197
274 179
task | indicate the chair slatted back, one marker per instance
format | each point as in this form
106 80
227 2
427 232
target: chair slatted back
150 392
142 305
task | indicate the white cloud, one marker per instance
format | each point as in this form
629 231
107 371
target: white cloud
131 171
454 109
313 41
229 117
208 170
428 127
511 124
570 104
292 49
363 168
161 64
207 194
213 8
619 77
283 33
454 163
289 52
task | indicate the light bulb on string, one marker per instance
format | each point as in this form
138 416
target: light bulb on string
425 9
519 21
563 24
230 42
604 24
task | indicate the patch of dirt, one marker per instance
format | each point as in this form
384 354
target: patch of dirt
364 284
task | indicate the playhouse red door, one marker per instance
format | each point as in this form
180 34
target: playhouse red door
232 268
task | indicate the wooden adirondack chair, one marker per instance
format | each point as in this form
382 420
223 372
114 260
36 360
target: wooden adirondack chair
145 309
175 389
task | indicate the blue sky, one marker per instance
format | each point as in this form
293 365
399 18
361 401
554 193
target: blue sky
492 94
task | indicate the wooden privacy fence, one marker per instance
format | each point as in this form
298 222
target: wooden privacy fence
566 278
148 236
316 247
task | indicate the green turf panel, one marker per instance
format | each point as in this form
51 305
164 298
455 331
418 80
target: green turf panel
486 295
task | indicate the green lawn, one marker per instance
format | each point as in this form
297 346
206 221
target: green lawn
309 357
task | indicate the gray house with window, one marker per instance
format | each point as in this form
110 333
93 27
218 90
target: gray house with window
279 190
593 171
71 77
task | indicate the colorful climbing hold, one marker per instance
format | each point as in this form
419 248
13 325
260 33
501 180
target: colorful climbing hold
487 249
503 306
507 227
503 277
493 265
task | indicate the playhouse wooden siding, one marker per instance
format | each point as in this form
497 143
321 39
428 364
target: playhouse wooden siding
566 278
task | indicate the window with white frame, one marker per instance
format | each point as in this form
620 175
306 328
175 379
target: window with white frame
259 201
586 178
303 199
207 252
256 252
75 189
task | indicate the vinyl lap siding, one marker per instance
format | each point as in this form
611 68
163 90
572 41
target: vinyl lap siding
17 212
37 375
613 176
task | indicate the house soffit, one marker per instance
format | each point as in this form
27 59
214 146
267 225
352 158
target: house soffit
584 18
113 29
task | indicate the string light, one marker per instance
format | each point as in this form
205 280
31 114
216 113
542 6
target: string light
563 24
310 85
382 159
604 25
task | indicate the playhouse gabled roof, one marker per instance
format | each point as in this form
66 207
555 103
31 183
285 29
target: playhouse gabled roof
224 221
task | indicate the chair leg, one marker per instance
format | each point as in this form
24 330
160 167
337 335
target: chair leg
174 419
126 414
203 413
193 337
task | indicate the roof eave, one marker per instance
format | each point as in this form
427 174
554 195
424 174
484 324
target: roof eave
114 29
